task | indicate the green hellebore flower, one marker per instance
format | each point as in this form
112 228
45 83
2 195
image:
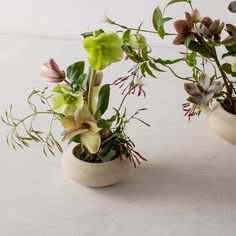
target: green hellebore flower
103 50
82 123
137 41
65 101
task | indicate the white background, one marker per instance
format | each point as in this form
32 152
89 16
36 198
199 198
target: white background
67 19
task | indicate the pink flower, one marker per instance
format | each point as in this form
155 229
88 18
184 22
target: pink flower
52 73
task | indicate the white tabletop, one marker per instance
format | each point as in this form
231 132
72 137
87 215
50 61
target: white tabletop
187 187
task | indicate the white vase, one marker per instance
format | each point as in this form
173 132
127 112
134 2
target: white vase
223 123
94 174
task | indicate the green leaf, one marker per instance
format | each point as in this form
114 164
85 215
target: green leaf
167 62
191 59
226 67
87 34
104 124
188 40
196 47
103 100
158 22
144 53
164 20
176 1
126 35
231 51
145 68
153 66
79 83
75 139
75 70
98 32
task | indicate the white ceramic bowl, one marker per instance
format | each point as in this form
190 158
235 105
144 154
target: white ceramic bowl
223 123
94 174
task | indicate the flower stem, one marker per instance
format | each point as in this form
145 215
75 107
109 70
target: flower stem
90 92
123 100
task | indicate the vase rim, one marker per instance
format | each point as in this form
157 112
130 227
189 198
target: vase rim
225 112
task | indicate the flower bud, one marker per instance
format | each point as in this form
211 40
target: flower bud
137 41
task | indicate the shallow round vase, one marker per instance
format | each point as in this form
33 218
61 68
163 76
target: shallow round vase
94 174
223 123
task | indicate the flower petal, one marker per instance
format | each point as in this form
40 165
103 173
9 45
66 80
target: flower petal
204 81
179 39
216 87
181 26
93 126
79 101
56 68
74 133
68 122
48 73
192 89
70 109
91 141
57 102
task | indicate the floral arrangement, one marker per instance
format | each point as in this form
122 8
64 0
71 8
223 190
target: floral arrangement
211 77
79 100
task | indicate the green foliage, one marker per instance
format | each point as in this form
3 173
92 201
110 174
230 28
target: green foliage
103 100
145 69
126 36
226 67
104 124
188 40
87 34
167 62
197 47
231 51
158 22
154 66
75 139
191 59
98 32
75 70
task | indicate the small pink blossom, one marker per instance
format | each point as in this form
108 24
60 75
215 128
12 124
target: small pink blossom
52 73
